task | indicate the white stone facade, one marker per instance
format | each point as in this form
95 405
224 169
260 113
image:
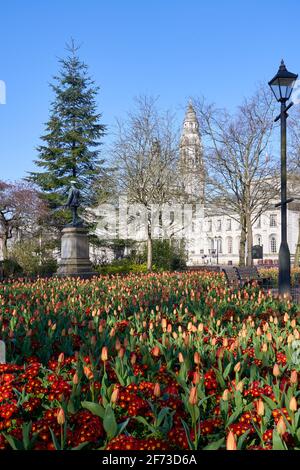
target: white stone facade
218 236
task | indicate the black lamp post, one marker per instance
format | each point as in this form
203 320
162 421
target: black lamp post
217 244
282 86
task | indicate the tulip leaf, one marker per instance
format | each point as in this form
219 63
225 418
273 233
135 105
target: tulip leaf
13 442
278 444
122 426
215 445
227 371
94 408
109 422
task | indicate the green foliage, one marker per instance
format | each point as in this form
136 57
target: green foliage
167 256
124 266
31 259
70 148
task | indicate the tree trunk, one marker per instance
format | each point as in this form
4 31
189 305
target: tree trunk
242 250
149 253
4 249
249 241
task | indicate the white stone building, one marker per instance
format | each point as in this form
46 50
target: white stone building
219 236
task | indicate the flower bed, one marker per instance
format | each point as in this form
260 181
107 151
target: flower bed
151 361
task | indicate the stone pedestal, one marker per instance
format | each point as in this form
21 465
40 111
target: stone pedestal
75 260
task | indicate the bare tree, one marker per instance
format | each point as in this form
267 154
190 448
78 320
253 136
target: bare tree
145 155
21 210
242 176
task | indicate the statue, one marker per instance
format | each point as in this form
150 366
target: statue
73 203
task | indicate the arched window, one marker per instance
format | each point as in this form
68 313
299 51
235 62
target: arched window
273 244
229 245
219 244
258 239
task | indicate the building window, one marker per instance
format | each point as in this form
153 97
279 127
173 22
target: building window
273 220
273 244
209 225
229 245
258 223
219 225
228 224
258 240
219 244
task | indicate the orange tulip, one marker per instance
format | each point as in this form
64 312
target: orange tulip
61 417
197 359
75 379
156 391
231 441
104 354
293 404
180 358
114 396
294 377
281 426
193 398
260 408
276 370
155 351
88 373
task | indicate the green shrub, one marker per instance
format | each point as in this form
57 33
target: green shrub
32 261
167 256
11 268
123 266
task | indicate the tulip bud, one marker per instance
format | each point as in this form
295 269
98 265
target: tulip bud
155 351
104 354
240 386
121 352
290 338
225 395
281 426
180 358
237 367
61 417
156 390
133 359
114 396
276 370
231 441
264 347
260 408
197 359
294 377
61 358
293 404
196 377
88 373
193 398
75 379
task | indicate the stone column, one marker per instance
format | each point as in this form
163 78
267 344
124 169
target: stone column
75 260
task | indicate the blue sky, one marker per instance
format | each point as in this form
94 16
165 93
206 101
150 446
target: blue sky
167 48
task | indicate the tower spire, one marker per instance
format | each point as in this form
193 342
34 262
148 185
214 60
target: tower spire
191 164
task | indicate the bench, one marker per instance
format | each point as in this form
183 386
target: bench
247 274
231 276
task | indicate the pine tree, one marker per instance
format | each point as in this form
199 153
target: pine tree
70 149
